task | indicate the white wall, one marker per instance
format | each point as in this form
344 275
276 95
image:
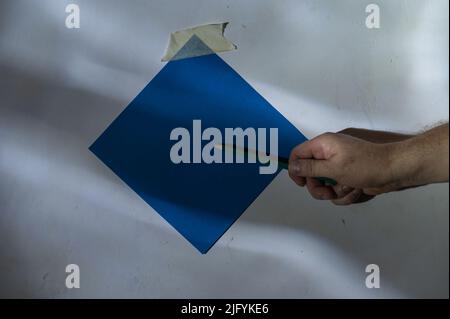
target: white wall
313 60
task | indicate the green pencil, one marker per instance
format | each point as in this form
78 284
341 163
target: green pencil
282 161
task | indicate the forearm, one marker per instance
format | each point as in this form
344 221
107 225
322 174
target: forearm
376 136
422 159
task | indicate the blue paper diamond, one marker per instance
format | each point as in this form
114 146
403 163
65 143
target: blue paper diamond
201 201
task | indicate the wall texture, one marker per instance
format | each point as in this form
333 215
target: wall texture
313 60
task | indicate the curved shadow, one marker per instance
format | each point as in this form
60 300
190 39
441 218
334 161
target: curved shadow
400 232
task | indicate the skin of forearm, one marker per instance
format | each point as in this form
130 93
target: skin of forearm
422 159
376 136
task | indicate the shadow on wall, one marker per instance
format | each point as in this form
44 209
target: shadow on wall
393 230
398 231
347 68
405 233
331 58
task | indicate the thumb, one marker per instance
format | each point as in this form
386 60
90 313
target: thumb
309 168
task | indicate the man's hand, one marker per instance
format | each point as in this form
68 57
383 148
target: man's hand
354 163
364 167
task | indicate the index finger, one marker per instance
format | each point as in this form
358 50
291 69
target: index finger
301 151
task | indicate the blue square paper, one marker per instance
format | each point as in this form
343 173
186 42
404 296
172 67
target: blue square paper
201 201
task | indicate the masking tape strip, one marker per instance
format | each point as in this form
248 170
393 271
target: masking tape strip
197 41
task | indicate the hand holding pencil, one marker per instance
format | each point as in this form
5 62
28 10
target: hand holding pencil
367 163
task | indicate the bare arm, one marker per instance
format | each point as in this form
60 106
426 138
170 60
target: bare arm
422 159
376 136
370 165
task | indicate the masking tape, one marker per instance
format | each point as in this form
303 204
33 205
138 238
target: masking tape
212 41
